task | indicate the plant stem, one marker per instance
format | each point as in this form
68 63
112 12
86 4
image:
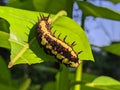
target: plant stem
83 21
78 76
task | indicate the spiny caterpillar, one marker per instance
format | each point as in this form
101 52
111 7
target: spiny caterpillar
52 45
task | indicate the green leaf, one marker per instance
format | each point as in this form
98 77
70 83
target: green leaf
4 87
44 5
88 77
19 21
55 6
28 51
62 79
4 34
23 4
5 77
105 83
6 82
113 48
97 11
115 1
50 86
4 25
4 40
74 33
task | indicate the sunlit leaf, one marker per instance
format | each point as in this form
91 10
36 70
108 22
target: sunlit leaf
20 23
74 33
105 83
4 40
23 24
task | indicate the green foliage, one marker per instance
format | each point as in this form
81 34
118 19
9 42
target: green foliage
115 1
50 86
6 83
105 83
113 48
88 78
4 34
47 6
23 52
5 76
97 11
4 40
17 33
63 79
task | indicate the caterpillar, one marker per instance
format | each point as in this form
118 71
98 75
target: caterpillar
52 45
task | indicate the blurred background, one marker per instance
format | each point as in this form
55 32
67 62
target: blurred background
100 32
